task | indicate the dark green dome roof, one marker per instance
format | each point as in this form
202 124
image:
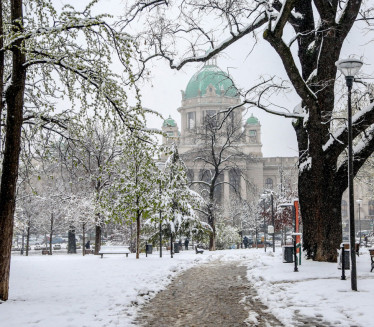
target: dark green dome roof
170 122
210 75
252 120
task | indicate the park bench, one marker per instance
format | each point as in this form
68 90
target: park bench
114 249
198 250
371 251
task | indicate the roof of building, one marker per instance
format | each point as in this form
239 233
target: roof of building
170 122
210 75
252 120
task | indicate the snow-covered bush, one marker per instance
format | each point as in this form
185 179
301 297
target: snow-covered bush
227 236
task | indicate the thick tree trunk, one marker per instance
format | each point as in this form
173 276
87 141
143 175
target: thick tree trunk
14 102
320 204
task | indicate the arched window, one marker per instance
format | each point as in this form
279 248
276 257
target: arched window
371 208
269 183
344 208
234 180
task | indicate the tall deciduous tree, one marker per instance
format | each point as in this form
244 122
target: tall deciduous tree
74 48
132 194
317 30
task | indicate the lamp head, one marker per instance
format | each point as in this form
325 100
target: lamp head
349 67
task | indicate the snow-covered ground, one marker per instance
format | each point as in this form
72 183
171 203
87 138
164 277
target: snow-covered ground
72 290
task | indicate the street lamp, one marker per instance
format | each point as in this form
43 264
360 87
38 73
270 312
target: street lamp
349 68
264 226
359 201
160 166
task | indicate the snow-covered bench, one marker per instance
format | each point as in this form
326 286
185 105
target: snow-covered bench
198 250
114 249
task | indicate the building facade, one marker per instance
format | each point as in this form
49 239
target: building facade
208 95
210 92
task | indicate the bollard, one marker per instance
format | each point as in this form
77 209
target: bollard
343 263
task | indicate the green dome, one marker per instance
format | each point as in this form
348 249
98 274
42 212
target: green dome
252 120
170 122
210 75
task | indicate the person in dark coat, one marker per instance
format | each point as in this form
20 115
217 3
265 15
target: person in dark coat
186 241
87 246
245 241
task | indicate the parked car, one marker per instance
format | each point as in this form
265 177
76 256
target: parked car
57 247
37 247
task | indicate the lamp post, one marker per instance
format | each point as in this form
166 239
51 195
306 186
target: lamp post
272 219
359 201
160 166
264 227
349 68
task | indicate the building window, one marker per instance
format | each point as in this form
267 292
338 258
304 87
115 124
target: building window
210 117
371 208
234 180
191 120
170 134
252 136
344 208
269 183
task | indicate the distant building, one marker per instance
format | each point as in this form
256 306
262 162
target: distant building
211 90
208 92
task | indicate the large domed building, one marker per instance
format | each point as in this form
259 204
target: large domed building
209 92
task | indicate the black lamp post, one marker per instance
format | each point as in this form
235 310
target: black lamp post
264 227
359 216
349 68
272 219
160 166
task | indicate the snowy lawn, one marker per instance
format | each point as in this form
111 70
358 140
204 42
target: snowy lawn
72 290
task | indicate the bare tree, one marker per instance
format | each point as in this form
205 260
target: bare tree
217 150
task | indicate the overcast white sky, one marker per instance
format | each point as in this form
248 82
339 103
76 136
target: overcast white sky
163 94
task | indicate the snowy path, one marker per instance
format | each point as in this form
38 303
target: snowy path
214 294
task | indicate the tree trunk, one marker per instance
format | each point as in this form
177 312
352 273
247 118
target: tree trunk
171 244
320 204
27 239
14 101
83 239
97 236
72 244
137 234
51 235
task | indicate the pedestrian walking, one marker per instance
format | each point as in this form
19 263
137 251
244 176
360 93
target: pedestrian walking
186 241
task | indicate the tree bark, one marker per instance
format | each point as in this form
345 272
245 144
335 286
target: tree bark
14 104
138 214
83 238
72 244
97 237
28 239
51 235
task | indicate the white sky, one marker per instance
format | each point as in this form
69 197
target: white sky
163 94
